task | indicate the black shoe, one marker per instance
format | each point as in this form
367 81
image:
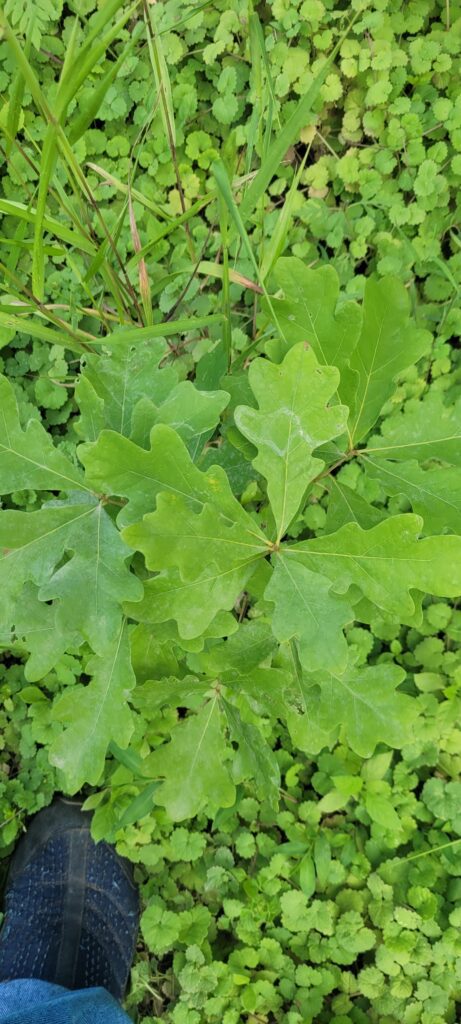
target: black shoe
71 908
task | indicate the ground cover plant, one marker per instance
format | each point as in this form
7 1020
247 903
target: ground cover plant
230 434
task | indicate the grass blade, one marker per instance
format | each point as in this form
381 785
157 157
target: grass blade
85 118
226 306
162 81
51 224
165 330
279 236
110 179
88 58
17 94
289 133
224 188
36 330
182 219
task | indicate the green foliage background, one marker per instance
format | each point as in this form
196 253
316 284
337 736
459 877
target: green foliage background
344 904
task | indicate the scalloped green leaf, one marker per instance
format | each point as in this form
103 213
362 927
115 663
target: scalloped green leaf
89 585
293 419
196 755
114 465
389 342
428 429
386 562
306 609
434 494
310 311
93 715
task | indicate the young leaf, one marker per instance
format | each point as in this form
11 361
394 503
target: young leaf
250 645
267 689
389 342
196 756
126 391
93 715
306 609
322 859
192 413
307 875
292 420
386 562
139 807
310 312
155 693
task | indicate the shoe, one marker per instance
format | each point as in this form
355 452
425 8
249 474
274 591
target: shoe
71 907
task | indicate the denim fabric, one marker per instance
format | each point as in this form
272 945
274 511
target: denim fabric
29 1001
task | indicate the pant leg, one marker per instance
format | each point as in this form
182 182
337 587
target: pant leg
30 1001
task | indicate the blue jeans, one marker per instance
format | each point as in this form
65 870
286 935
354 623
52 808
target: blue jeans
29 1001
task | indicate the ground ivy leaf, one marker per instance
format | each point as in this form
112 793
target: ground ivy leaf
93 715
112 383
29 458
434 494
292 420
90 585
423 430
175 537
380 355
193 604
196 756
310 312
386 562
115 465
307 610
365 703
254 759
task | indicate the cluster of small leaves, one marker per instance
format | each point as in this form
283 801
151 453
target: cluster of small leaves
381 183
